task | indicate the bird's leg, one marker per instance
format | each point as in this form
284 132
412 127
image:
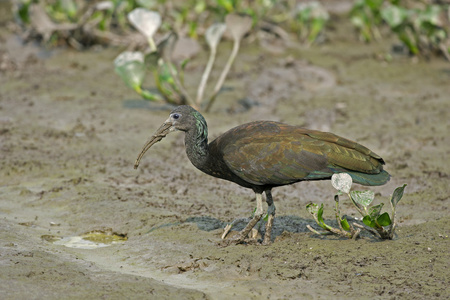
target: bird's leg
271 215
242 235
257 216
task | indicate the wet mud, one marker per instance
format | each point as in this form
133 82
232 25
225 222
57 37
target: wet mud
70 132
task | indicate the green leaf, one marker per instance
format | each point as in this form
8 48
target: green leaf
320 214
363 198
342 182
367 220
145 21
384 219
374 211
151 60
312 208
315 210
394 15
374 4
253 212
397 195
69 7
146 94
130 67
214 33
345 225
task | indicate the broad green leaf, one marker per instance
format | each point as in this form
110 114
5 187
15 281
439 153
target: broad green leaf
130 67
369 222
345 225
342 182
144 20
151 60
384 219
374 211
430 15
214 33
165 75
394 15
374 4
363 198
69 7
238 25
397 195
315 210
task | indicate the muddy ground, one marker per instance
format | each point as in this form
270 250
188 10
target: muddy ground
70 132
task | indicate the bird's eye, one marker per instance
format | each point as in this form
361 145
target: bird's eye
176 116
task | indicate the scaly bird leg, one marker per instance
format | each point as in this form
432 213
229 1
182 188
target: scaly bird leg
271 215
242 235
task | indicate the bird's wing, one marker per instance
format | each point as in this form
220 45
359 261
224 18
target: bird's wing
276 154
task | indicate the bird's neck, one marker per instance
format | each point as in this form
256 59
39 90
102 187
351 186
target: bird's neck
196 142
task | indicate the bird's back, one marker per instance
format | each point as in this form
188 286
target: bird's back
272 153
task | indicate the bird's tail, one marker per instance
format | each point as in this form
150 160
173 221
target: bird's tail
369 179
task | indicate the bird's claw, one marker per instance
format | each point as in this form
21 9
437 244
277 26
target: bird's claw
236 240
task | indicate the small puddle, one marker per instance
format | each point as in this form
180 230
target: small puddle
90 240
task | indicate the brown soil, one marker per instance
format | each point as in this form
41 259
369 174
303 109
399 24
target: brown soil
69 135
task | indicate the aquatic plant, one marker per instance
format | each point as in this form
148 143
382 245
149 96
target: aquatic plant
422 28
311 18
366 17
381 225
238 25
168 78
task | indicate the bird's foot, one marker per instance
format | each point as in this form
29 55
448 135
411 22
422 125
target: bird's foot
242 236
234 240
268 234
239 238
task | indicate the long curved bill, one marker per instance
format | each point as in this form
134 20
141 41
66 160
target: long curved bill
161 133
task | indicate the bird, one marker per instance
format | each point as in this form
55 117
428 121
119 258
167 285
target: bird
263 155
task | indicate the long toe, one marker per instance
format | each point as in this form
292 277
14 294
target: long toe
268 234
234 240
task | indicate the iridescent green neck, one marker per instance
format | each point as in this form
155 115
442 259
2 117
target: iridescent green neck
196 141
201 138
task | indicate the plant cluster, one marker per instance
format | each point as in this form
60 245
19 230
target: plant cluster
422 26
83 23
132 66
381 225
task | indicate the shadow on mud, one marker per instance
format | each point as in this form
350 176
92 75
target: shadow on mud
291 224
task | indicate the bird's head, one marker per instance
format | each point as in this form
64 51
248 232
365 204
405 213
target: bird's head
183 118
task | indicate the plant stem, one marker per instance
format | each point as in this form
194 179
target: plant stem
337 212
317 232
152 44
332 229
205 76
224 74
180 86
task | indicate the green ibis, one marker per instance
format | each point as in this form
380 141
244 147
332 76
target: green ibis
262 155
